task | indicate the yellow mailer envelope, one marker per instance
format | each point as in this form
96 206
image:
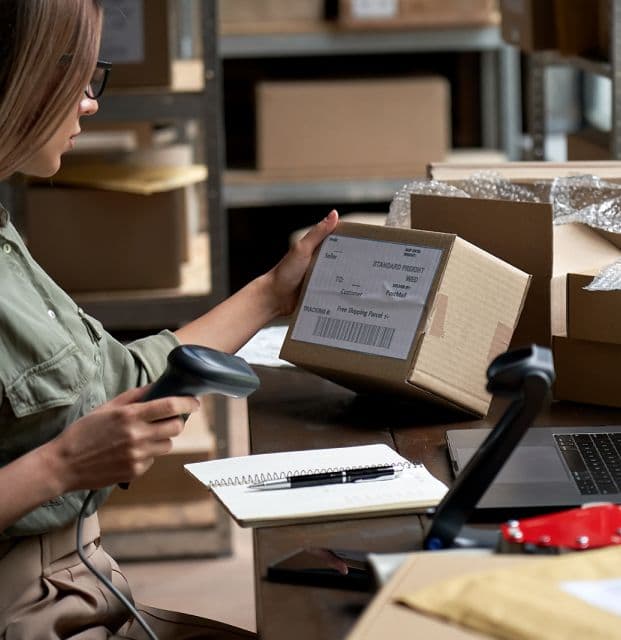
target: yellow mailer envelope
545 600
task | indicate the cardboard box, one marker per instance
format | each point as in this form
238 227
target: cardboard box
586 315
522 233
395 14
588 144
244 16
108 228
580 27
529 24
349 128
587 371
406 312
138 39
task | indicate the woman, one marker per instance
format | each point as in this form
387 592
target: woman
70 413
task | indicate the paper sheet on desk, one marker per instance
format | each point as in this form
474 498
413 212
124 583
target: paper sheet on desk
530 602
264 347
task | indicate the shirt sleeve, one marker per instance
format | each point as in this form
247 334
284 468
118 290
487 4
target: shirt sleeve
136 363
150 354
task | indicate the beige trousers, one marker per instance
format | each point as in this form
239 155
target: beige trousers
46 593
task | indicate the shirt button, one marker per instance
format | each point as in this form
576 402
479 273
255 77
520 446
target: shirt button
80 311
7 248
97 359
51 314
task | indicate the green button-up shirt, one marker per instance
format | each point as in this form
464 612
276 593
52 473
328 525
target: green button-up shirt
56 364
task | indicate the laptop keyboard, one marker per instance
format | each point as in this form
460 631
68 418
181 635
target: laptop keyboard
594 460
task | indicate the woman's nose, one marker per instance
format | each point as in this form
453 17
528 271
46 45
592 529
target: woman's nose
88 106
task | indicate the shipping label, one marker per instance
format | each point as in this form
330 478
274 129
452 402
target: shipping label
367 295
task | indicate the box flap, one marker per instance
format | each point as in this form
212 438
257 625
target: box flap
129 178
581 249
525 171
477 306
509 230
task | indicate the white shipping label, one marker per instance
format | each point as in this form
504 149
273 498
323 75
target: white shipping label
368 9
367 295
122 39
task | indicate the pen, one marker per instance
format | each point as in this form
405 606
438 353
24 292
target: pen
385 472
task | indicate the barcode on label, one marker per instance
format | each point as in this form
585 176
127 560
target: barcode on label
372 335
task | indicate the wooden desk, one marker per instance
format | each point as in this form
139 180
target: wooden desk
297 410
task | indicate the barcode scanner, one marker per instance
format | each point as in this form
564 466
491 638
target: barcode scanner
196 371
192 370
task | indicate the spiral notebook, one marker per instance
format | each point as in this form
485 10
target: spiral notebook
413 488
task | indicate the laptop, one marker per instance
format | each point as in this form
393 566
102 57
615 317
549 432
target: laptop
552 468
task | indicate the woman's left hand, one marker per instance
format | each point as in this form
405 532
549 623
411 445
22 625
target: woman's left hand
286 277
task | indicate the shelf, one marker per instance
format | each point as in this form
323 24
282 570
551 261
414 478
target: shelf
253 193
252 189
597 67
332 41
151 105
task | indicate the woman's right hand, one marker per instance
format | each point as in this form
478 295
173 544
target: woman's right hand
116 442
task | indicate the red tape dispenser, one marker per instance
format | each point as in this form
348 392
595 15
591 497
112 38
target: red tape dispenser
588 527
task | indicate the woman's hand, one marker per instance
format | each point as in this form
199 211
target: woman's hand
285 279
116 442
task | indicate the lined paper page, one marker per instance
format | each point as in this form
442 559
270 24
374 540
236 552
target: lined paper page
414 487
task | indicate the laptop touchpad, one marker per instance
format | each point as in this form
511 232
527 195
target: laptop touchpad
528 465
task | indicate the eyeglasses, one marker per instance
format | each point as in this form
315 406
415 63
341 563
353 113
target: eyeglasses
97 84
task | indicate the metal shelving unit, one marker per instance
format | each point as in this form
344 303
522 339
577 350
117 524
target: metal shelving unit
205 107
500 99
170 309
539 61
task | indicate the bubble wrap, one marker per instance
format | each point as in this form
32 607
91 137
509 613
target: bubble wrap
483 184
399 211
607 279
586 199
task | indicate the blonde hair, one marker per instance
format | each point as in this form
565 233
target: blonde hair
48 50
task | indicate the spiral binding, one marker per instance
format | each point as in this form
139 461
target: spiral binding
267 476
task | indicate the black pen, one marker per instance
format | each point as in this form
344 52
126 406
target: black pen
384 472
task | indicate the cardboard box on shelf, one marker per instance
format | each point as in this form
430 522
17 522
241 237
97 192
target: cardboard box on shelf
245 16
580 26
348 128
529 24
109 227
137 39
587 371
406 312
588 144
391 14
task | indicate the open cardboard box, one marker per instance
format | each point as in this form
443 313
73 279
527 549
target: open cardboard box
407 312
559 257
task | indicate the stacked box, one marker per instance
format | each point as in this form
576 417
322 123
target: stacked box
583 327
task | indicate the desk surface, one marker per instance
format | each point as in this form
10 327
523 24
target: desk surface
297 410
